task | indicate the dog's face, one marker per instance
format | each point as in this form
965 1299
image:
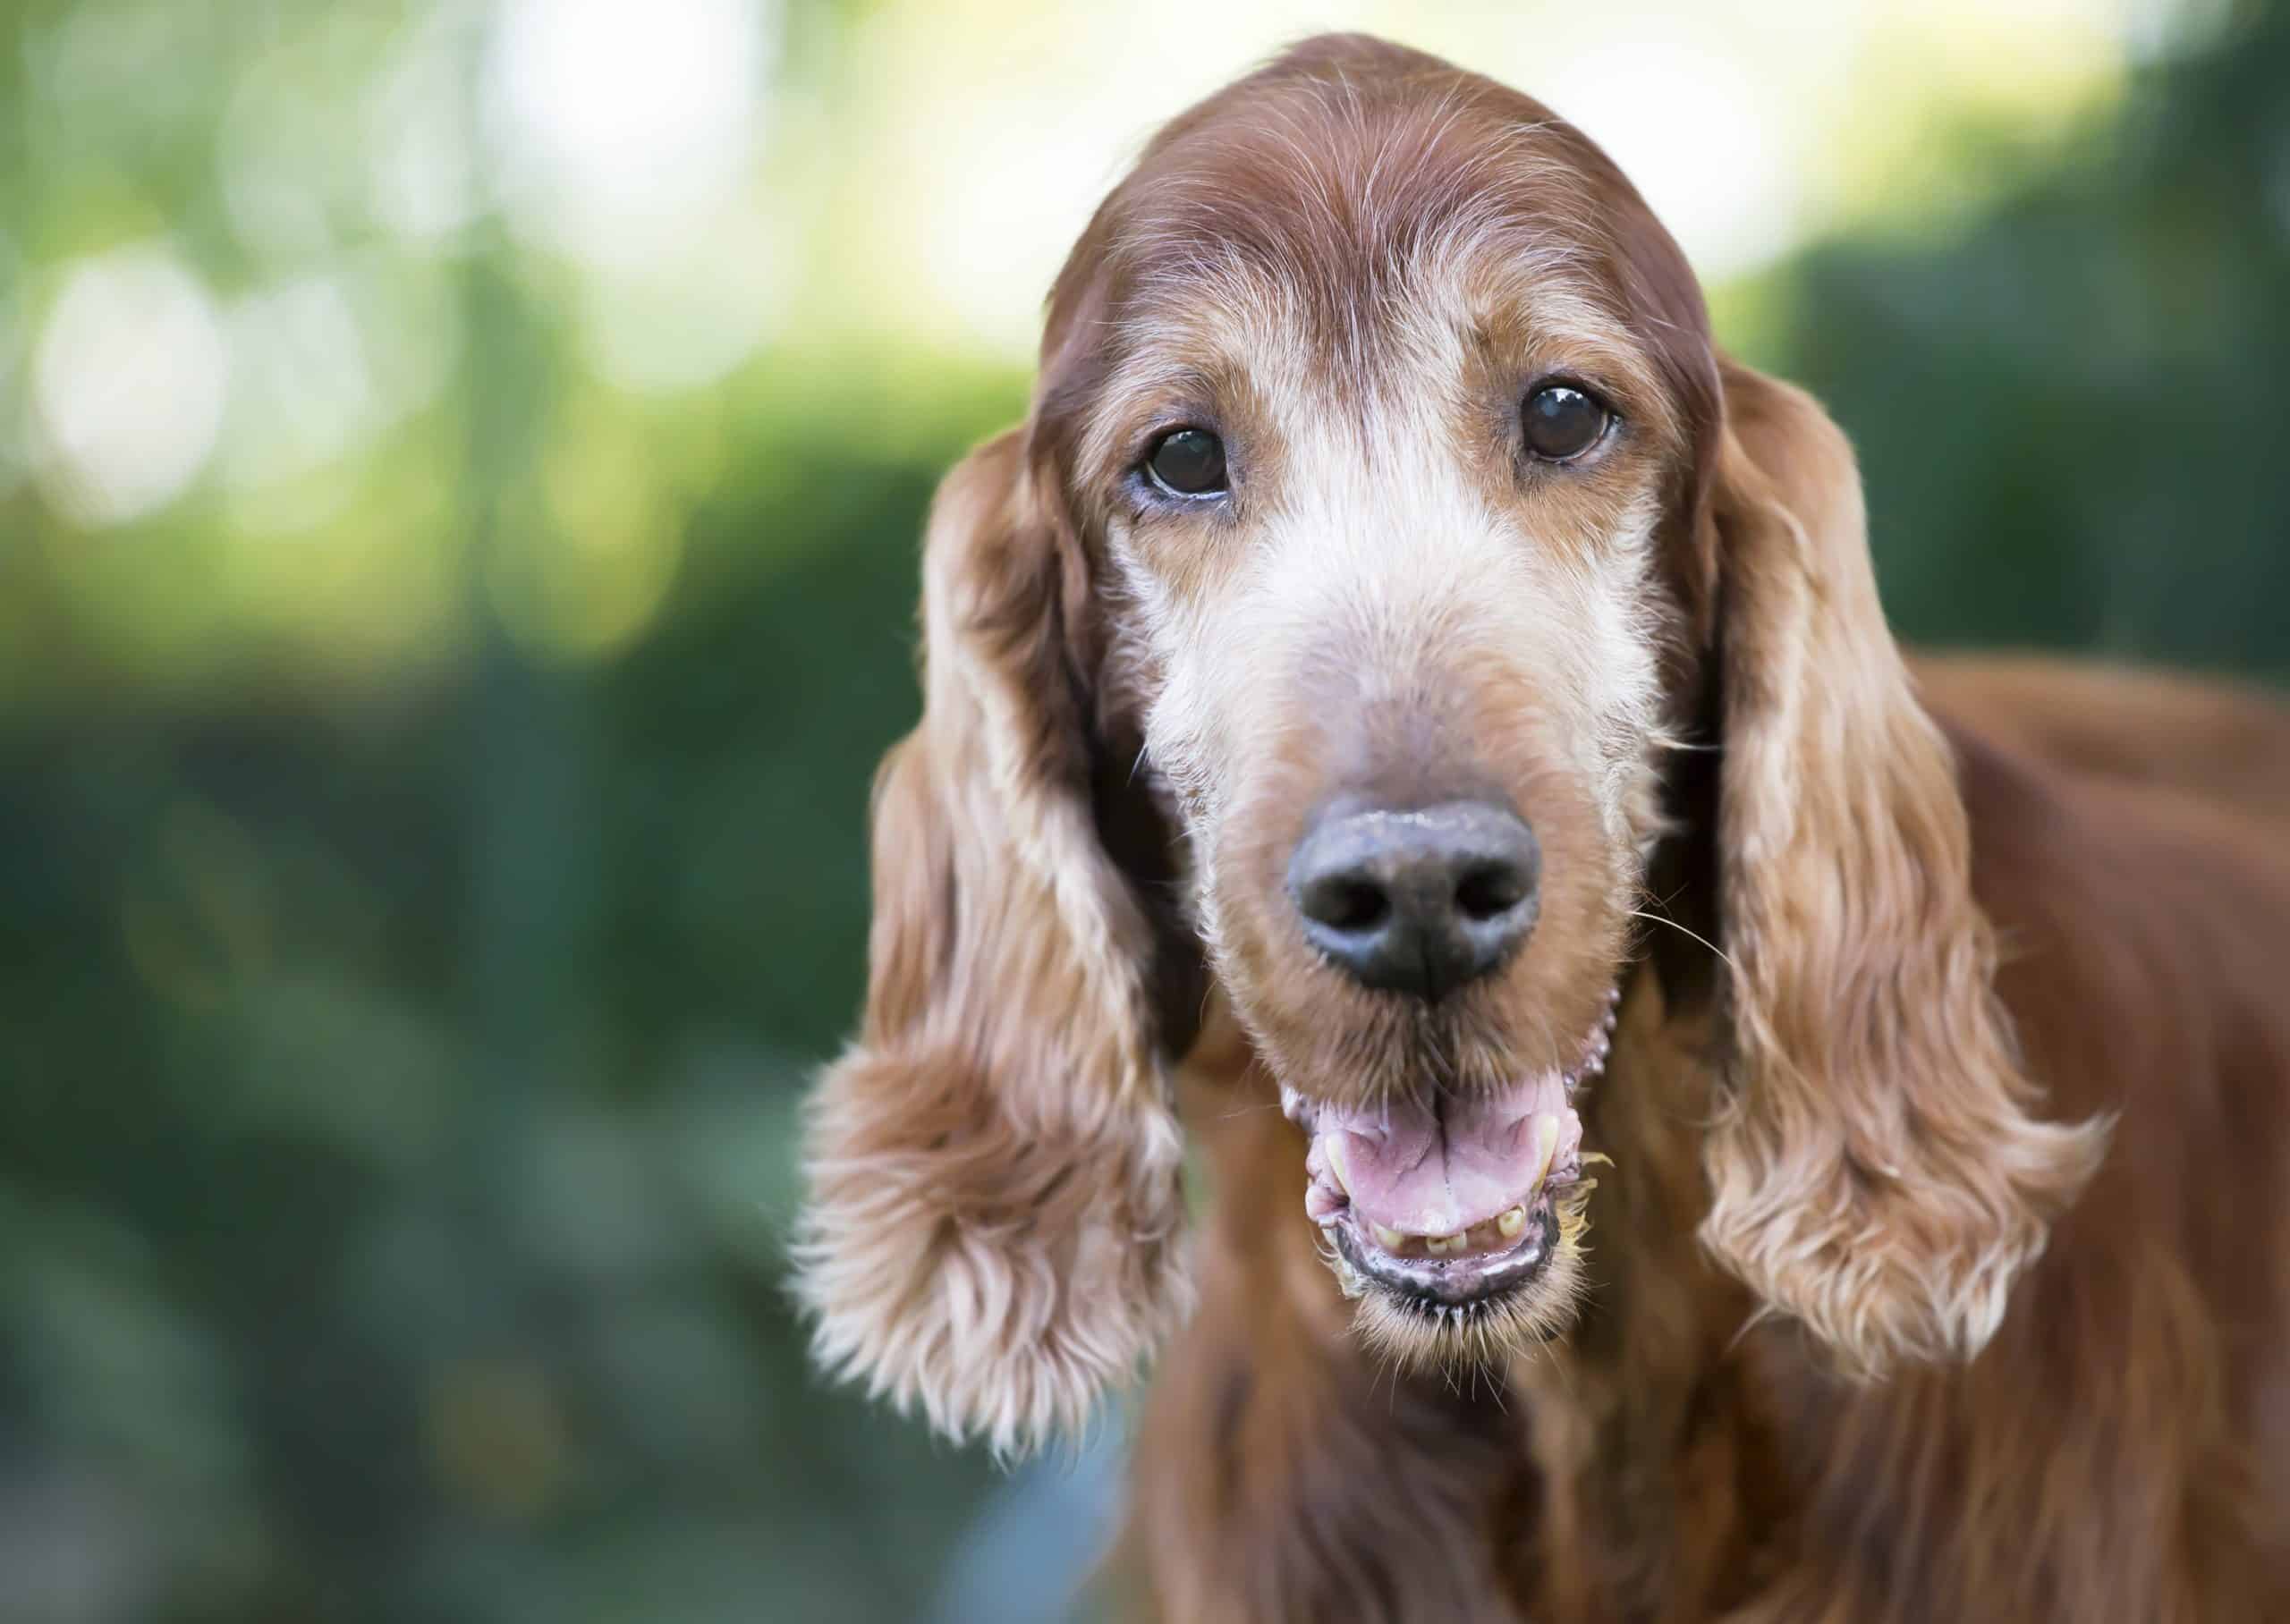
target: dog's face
1384 511
1381 562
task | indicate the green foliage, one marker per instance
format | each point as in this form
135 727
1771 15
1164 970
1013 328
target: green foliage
2072 420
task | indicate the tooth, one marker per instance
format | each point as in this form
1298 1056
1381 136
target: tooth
1545 1147
1335 1163
1512 1221
1391 1240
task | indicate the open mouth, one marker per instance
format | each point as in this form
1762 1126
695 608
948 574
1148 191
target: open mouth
1451 1203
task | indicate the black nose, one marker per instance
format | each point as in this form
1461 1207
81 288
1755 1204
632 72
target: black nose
1416 901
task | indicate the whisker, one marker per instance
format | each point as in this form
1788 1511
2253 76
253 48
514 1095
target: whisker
1639 913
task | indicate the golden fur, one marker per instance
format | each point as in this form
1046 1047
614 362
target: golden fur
1873 1168
992 1233
1941 1267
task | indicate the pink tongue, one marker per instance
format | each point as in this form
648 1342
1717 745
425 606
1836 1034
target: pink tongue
1427 1170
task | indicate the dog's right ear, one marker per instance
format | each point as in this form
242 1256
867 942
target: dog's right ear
992 1224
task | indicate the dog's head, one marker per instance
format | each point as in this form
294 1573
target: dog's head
1385 526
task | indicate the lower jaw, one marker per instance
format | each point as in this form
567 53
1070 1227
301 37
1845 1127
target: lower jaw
1443 1286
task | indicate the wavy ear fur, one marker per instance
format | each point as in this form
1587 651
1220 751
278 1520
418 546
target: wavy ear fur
1875 1169
991 1234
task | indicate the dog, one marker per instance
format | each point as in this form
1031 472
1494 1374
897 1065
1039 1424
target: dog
1705 1119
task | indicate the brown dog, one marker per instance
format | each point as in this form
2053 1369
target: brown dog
1398 633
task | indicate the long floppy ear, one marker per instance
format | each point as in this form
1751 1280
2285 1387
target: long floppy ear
991 1234
1875 1169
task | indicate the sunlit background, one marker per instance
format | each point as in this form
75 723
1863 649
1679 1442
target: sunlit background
459 474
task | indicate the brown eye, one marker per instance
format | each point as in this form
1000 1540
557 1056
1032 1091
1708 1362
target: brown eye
1562 422
1187 463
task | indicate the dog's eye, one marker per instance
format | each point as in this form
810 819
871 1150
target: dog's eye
1187 463
1562 422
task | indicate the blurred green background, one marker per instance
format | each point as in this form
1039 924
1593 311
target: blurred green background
460 468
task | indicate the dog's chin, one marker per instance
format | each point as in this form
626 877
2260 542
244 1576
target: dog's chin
1477 1309
1454 1221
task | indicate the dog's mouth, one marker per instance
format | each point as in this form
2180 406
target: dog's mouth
1449 1203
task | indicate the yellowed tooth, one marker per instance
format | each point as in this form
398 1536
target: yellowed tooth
1335 1164
1512 1221
1545 1147
1391 1240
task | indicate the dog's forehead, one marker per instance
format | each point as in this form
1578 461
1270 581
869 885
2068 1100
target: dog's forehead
1309 242
1317 216
1303 170
1323 244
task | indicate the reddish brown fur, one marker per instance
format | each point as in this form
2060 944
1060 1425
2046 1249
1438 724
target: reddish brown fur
1942 1269
2219 739
2120 1451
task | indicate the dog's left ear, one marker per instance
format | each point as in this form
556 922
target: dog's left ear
1874 1170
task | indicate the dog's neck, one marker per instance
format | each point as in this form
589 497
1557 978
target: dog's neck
1653 1446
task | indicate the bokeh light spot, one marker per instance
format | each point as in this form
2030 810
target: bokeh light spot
619 126
128 385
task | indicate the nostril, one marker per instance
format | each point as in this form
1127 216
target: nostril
1349 904
1490 889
